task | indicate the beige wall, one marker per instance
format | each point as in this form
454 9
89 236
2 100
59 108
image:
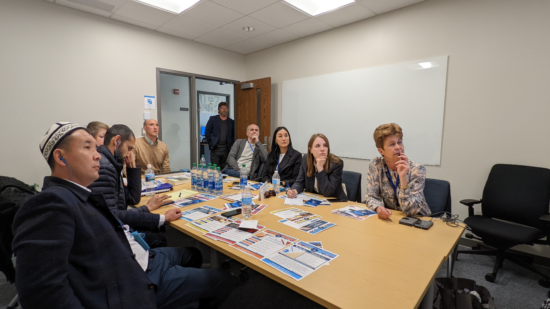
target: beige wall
496 108
60 64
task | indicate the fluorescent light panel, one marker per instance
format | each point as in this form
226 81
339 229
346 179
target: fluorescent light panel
425 65
316 7
172 6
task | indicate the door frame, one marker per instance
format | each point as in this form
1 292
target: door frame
193 110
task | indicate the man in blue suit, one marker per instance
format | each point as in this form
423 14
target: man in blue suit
74 252
220 135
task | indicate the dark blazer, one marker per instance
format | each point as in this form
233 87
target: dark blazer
213 131
329 185
289 167
117 196
72 253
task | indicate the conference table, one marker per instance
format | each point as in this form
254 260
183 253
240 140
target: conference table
381 263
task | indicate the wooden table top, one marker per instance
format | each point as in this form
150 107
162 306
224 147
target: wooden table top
381 264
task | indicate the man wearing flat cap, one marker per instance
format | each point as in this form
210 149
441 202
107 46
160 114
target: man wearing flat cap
73 252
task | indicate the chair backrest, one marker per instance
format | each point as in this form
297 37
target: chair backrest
352 180
438 195
517 193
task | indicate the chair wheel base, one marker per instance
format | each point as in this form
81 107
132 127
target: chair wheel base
490 277
545 283
244 276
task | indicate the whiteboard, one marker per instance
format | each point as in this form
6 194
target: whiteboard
348 106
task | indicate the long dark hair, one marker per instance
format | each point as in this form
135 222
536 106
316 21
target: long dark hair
275 150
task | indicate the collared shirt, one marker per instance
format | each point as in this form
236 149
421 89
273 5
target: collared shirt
142 257
79 185
150 141
380 192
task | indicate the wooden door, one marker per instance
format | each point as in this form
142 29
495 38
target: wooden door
254 107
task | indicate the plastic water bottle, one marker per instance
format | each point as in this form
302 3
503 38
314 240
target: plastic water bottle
244 176
276 182
198 179
211 181
205 180
219 181
247 203
149 181
194 177
202 162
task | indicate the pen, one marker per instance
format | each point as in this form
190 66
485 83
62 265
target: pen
180 194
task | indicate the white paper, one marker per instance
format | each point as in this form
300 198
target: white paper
208 225
294 201
249 224
150 102
287 212
263 189
264 243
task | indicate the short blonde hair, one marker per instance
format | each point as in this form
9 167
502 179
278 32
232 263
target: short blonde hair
95 126
385 130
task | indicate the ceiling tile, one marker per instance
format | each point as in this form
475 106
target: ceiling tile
346 15
143 13
307 27
134 22
213 14
383 6
221 38
84 8
276 37
245 6
279 15
247 47
186 27
259 27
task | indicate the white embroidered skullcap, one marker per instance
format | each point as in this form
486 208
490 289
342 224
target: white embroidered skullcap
57 132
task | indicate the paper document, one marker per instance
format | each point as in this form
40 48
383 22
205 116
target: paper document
298 201
231 233
181 194
307 222
287 212
191 200
249 224
210 224
198 213
264 243
354 212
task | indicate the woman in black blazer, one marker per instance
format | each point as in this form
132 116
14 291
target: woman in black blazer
321 171
289 165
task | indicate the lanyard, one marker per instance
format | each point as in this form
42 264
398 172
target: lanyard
250 146
278 161
394 186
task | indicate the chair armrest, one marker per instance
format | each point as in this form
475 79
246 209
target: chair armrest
470 203
545 218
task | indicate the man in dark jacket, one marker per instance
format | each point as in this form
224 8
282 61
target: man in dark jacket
220 135
117 149
73 252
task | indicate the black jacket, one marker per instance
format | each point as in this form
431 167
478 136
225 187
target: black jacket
118 196
72 253
212 131
289 167
329 185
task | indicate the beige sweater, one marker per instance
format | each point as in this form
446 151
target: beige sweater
156 155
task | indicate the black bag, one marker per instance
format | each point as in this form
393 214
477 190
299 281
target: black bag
460 293
13 193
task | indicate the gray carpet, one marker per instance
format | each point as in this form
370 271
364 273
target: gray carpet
514 287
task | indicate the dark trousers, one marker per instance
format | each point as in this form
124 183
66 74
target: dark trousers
155 240
218 156
180 282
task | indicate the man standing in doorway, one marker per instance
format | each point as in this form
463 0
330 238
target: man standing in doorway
220 135
150 150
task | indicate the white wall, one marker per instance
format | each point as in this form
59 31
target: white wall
497 88
60 64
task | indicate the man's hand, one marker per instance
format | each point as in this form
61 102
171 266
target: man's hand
403 168
130 160
158 200
383 212
172 214
320 163
254 139
291 193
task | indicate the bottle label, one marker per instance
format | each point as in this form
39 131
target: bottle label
275 181
211 185
246 200
244 183
149 177
205 183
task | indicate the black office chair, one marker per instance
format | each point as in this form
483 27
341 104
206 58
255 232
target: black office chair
517 194
438 195
353 185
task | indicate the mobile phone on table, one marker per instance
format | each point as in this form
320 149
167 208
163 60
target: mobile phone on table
408 221
232 213
421 224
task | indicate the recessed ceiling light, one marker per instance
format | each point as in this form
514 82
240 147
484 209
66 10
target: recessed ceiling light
316 7
248 29
172 6
425 65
